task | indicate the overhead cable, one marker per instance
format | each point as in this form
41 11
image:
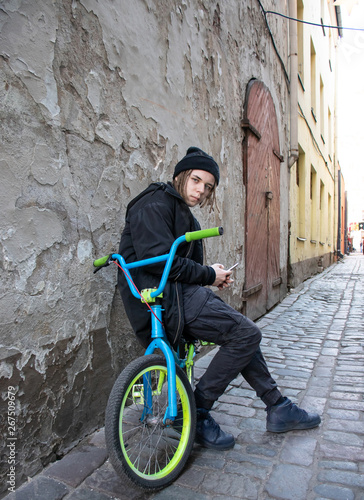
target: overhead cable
308 22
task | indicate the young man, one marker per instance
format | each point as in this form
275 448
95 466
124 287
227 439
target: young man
154 219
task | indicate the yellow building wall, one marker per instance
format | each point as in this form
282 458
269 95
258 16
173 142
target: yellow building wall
312 178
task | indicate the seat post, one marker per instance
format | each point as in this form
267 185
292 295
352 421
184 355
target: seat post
157 326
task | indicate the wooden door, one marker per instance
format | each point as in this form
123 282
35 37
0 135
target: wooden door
262 220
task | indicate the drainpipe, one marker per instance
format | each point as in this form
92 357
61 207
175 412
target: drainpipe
293 153
293 113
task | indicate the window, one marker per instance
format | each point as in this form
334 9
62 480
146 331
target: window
301 198
322 110
322 213
329 217
313 196
330 49
329 126
323 16
313 81
300 42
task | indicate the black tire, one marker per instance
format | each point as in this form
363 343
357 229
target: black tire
141 447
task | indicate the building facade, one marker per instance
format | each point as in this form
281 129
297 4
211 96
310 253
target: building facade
314 188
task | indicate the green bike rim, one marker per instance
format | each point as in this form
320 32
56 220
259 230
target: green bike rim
183 442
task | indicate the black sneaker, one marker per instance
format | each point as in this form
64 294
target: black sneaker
210 435
289 417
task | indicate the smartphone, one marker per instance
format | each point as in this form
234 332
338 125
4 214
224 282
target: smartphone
233 267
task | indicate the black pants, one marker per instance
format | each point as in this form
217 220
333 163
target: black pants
208 318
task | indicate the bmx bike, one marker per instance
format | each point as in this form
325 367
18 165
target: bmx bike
150 421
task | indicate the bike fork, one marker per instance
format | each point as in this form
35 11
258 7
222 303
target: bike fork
158 342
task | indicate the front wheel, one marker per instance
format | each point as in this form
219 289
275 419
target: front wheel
140 445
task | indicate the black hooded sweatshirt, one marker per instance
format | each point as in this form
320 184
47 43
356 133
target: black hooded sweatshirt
154 219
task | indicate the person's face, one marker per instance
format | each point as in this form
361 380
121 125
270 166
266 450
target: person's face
198 187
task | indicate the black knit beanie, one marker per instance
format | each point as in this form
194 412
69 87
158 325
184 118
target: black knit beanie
196 159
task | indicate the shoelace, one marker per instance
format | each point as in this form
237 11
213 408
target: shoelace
212 422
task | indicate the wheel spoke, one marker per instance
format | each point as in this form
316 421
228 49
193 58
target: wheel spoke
151 453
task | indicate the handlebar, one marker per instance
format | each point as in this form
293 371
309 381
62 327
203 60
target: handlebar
168 258
204 233
102 262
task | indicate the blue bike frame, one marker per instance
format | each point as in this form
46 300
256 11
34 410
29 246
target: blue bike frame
159 338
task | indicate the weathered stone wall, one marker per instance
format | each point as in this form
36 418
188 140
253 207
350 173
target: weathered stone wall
98 99
302 270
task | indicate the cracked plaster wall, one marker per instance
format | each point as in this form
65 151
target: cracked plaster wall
98 99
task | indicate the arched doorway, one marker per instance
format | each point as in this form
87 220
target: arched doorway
261 156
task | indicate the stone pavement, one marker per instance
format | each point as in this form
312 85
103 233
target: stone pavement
314 344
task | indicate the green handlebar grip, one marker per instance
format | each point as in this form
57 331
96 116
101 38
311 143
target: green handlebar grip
204 233
101 262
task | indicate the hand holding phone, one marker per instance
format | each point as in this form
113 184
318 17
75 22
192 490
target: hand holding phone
228 281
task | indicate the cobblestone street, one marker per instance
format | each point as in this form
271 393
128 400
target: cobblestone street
314 345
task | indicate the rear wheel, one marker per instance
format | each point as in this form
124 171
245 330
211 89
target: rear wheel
140 445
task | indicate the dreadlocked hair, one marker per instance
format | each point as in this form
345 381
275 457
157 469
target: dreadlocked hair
180 182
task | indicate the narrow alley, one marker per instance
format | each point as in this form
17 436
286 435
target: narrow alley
314 344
